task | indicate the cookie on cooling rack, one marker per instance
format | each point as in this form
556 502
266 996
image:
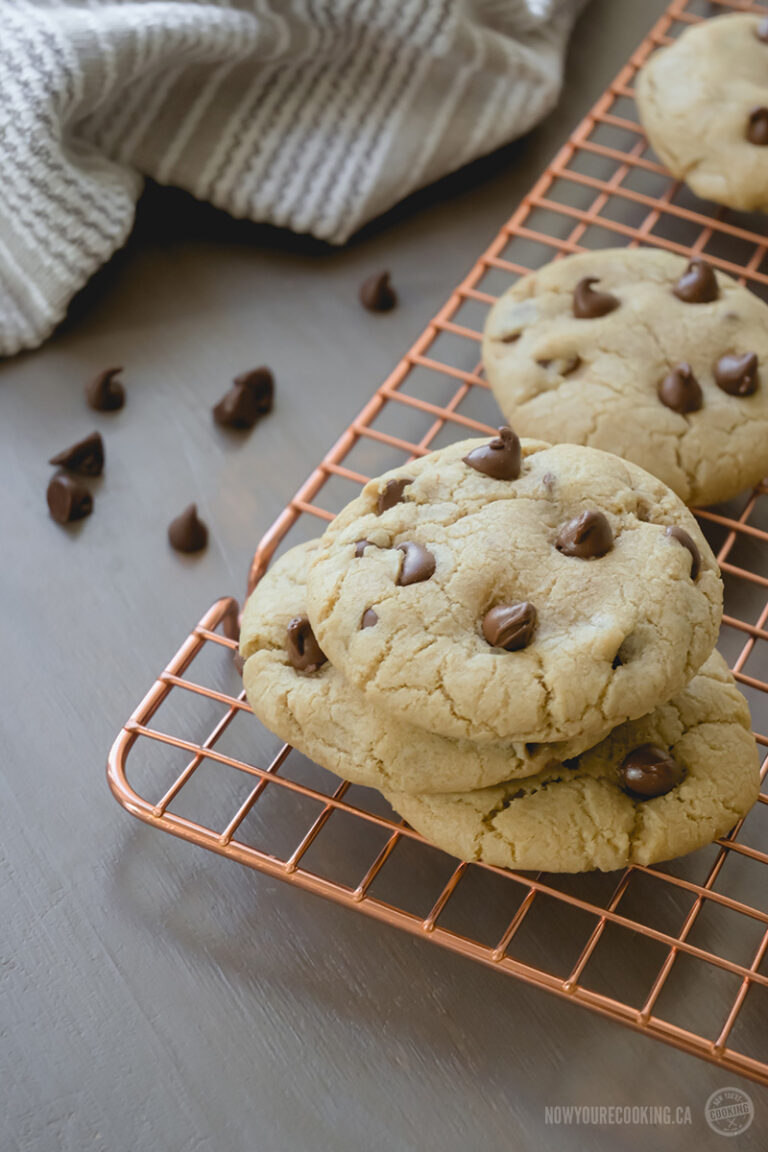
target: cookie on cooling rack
656 788
662 360
703 102
300 696
494 590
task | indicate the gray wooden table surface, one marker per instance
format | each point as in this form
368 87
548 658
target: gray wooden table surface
155 996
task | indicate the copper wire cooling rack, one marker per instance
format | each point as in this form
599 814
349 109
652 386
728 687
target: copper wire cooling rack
697 927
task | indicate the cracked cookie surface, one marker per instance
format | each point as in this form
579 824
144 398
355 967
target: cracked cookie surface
578 817
597 381
336 726
695 99
598 640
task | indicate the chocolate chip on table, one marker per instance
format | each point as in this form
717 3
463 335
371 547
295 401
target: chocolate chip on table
104 393
737 375
68 499
589 304
510 626
680 390
650 771
392 493
588 536
249 398
377 293
418 564
500 458
86 457
757 127
304 652
683 538
369 618
698 284
188 533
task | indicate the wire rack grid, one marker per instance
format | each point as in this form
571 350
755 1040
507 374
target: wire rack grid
676 951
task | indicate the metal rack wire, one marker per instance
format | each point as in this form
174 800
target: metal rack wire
699 925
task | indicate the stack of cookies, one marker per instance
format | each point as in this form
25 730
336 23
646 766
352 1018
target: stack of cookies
514 642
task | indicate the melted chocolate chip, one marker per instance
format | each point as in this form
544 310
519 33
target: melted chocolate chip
698 284
377 294
188 533
762 30
510 626
304 652
649 771
68 499
587 536
369 618
589 304
757 127
683 538
391 494
86 457
105 393
680 390
499 458
737 375
418 563
250 397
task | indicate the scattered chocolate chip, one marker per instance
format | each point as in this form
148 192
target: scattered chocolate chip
762 30
369 618
757 128
737 375
391 494
68 499
510 626
250 397
698 284
589 304
683 538
587 536
86 457
105 393
304 652
649 771
418 564
617 661
377 293
499 458
680 390
188 533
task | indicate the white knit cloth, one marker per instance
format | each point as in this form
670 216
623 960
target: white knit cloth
312 114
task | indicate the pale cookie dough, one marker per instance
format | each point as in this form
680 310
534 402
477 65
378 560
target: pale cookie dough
333 723
596 380
579 816
703 102
607 638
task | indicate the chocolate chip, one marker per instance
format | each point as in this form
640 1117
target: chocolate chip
304 652
737 375
361 546
762 30
188 533
391 494
418 564
510 626
757 128
698 284
499 458
68 499
369 618
86 457
683 538
377 294
650 771
250 397
588 304
587 536
511 338
680 390
105 393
